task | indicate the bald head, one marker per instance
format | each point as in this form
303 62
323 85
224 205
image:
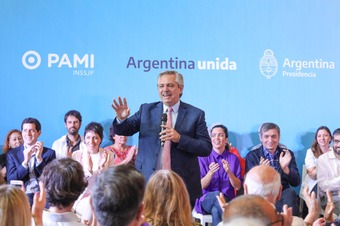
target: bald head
250 206
264 181
244 221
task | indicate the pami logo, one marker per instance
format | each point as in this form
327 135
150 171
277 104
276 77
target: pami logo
32 60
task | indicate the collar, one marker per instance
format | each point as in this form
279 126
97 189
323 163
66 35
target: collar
68 140
268 153
175 107
224 153
331 154
61 217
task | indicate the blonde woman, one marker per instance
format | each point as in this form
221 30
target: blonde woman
15 207
167 201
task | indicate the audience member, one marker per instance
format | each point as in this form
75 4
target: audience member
15 207
94 160
64 182
233 150
255 207
67 144
123 154
117 197
184 140
220 172
328 218
244 221
27 161
281 159
320 145
13 139
167 200
328 173
329 210
265 181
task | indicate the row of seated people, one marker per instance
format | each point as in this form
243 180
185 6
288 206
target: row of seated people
70 142
119 197
100 159
220 172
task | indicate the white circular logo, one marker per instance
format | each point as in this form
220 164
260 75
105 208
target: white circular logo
268 64
31 60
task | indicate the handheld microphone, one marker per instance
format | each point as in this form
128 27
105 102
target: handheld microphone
163 123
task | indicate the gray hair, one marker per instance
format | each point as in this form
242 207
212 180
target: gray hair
267 126
179 77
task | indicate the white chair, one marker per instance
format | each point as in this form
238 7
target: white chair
204 219
302 201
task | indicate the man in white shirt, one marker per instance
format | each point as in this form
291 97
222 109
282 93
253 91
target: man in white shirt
67 144
328 174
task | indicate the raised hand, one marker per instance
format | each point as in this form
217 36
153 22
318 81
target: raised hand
103 160
38 147
287 215
132 152
285 158
121 108
312 204
213 167
329 208
226 165
221 201
39 202
28 154
264 161
68 152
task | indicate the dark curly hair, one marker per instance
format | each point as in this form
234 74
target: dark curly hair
64 182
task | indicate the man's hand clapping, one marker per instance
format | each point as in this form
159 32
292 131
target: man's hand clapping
285 158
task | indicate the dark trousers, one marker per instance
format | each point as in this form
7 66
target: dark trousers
288 197
210 205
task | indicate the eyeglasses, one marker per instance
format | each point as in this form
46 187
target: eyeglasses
277 221
336 141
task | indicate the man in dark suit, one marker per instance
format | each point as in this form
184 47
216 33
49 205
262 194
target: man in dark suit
27 161
271 153
188 133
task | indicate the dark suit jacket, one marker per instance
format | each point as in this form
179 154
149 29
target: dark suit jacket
15 157
194 141
293 179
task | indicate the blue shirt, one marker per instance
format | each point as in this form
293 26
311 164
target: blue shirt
273 158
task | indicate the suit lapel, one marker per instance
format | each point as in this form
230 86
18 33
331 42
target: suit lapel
182 111
157 112
20 153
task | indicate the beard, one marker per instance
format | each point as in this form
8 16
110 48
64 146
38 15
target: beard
336 151
73 131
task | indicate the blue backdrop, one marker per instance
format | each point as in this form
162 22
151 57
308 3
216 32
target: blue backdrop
244 63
